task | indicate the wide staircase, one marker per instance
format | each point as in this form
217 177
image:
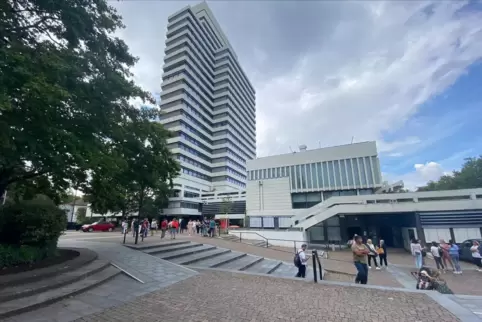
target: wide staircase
27 291
197 255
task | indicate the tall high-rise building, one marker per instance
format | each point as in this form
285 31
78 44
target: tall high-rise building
208 104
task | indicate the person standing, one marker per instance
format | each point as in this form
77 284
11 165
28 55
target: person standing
476 257
416 249
360 258
174 228
189 227
133 227
164 226
446 258
436 253
455 256
212 228
372 255
382 253
302 261
153 226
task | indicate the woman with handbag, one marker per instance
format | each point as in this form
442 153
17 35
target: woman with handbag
382 253
372 255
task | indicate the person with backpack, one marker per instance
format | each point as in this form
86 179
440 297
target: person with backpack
301 261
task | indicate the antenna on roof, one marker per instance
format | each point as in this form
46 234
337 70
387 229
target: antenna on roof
291 149
319 144
352 138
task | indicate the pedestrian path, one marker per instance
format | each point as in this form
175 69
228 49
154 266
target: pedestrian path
143 267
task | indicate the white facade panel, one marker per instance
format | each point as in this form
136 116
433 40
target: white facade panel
462 234
268 195
434 235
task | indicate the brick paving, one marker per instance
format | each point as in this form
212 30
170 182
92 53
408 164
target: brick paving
218 296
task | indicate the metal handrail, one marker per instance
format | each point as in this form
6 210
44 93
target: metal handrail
316 260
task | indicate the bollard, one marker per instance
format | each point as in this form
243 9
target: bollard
315 275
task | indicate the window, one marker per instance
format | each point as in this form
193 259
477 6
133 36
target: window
320 178
344 180
363 171
376 170
313 176
305 199
326 175
331 175
349 169
336 173
292 178
369 171
309 181
265 175
298 177
356 171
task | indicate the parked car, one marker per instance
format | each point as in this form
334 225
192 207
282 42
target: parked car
464 249
98 226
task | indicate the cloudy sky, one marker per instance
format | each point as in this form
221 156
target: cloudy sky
406 74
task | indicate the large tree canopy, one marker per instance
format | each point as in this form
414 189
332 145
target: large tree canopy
470 176
65 92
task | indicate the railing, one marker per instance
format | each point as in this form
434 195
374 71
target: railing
296 243
316 266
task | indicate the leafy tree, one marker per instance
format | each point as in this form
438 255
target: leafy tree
81 215
141 175
65 90
470 176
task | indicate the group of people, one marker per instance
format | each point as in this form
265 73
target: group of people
173 226
364 254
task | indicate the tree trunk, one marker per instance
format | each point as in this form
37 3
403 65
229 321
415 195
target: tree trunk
3 195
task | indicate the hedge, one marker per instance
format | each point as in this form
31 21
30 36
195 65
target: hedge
29 230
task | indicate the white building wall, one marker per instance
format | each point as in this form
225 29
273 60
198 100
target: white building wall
270 195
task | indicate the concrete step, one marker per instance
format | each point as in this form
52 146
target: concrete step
230 237
261 243
242 263
159 245
32 302
193 258
23 290
184 252
164 249
286 270
266 266
220 260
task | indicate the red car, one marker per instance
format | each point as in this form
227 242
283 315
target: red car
98 226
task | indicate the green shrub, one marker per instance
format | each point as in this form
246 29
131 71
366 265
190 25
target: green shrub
12 255
37 222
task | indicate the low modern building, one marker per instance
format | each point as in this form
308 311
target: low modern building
327 195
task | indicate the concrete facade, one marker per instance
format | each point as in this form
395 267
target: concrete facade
341 170
208 104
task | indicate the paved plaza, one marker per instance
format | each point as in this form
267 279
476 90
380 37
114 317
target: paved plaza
156 290
219 296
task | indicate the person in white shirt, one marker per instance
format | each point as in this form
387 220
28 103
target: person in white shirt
436 251
416 249
476 257
303 262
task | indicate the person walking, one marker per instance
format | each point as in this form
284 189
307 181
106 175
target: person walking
455 256
153 226
212 228
360 253
302 261
382 253
134 227
416 249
